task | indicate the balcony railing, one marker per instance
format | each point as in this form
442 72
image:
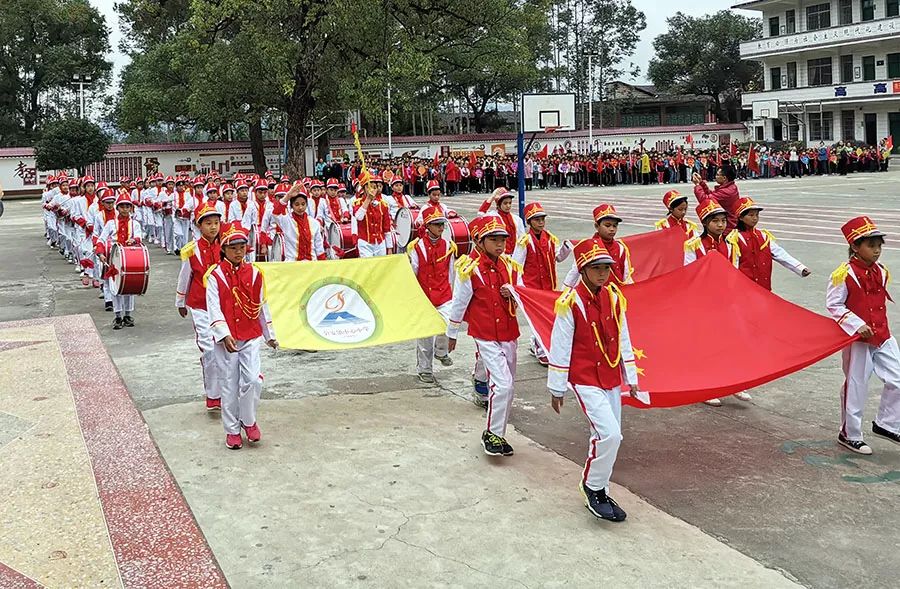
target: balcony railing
822 38
835 92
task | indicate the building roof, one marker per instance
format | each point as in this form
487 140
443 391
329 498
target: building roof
126 148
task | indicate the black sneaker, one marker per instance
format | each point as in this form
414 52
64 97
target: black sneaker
117 324
492 443
109 306
601 505
128 321
507 449
857 446
884 433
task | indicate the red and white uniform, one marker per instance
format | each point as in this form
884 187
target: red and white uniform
689 227
513 223
493 325
237 308
856 296
399 200
121 230
698 247
753 251
373 226
236 210
254 220
622 270
590 352
197 257
183 207
302 235
432 261
538 255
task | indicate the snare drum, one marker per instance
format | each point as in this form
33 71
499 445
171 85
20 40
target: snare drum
276 252
341 235
130 273
405 223
456 229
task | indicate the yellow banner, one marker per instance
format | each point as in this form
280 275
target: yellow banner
342 304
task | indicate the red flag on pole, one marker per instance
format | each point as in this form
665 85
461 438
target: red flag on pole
542 154
732 149
436 161
706 291
889 143
753 160
679 157
718 158
690 140
472 160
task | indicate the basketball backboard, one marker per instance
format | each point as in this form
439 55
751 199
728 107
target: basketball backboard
542 111
765 109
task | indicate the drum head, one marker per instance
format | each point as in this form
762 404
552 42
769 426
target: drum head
334 234
403 221
276 253
116 260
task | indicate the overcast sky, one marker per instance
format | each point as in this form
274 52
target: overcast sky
656 11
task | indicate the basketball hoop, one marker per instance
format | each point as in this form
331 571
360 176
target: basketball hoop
551 129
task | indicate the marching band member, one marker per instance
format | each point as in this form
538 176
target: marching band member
148 197
373 223
125 231
502 199
432 257
101 215
336 210
238 207
714 220
590 352
197 257
398 200
210 197
50 225
253 220
433 190
302 234
59 205
857 298
316 204
677 204
483 296
78 207
537 253
479 372
753 250
166 202
606 225
239 321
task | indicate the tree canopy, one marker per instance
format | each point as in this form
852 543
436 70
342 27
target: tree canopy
70 143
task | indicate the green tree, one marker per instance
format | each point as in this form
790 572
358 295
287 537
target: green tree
70 143
45 42
701 55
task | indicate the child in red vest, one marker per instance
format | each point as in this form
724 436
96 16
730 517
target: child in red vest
122 230
856 298
590 352
714 220
606 225
432 257
197 257
677 205
537 253
373 221
483 297
753 250
239 320
479 374
503 198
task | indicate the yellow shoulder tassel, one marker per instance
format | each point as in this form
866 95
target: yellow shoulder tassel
661 224
412 245
887 274
187 251
453 247
553 239
461 261
511 262
840 274
465 270
208 272
769 238
565 301
691 225
623 302
733 238
692 245
523 241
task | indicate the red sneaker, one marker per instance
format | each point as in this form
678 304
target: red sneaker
233 441
253 433
213 404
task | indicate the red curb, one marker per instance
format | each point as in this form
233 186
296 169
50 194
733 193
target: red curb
13 579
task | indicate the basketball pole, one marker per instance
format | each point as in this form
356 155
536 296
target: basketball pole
520 173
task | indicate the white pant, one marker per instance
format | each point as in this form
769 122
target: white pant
168 224
240 382
603 408
204 337
859 361
478 371
121 302
369 250
500 363
429 347
182 232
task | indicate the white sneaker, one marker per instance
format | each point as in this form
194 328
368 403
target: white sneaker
743 396
713 402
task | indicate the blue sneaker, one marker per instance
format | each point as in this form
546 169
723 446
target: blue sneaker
481 387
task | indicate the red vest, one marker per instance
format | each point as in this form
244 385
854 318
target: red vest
867 299
376 223
490 316
240 296
434 270
204 256
540 262
596 357
756 257
711 244
617 251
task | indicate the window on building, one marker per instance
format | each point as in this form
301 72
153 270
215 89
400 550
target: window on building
793 127
819 71
892 8
773 27
867 8
818 17
775 74
759 132
846 69
893 65
868 67
848 125
820 125
845 12
790 21
792 74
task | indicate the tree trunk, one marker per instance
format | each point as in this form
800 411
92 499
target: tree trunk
718 106
257 148
322 146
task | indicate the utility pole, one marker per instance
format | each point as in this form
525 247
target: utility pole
81 80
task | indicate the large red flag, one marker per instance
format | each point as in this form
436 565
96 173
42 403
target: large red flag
542 154
655 252
706 331
753 160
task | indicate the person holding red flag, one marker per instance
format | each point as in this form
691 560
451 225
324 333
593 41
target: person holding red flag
606 224
590 353
856 297
677 205
502 199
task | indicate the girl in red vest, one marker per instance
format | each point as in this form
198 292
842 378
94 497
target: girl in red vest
197 257
537 253
240 322
483 297
590 353
432 257
677 205
503 199
714 221
857 299
753 250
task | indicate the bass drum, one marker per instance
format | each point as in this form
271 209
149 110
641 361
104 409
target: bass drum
456 230
129 269
341 235
404 224
276 252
